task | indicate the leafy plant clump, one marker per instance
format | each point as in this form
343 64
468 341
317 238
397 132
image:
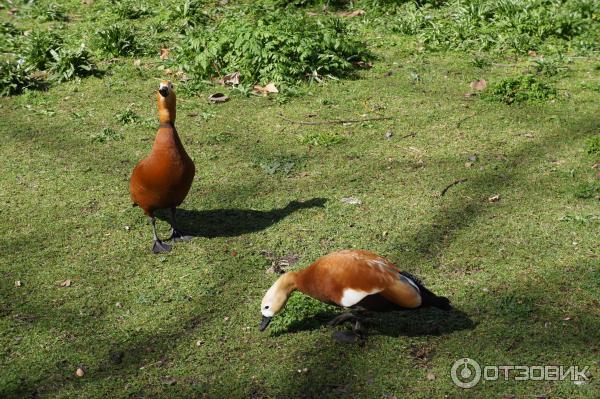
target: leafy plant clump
587 190
107 134
131 9
117 40
15 77
514 25
283 165
128 116
323 139
592 145
38 47
50 12
519 89
300 309
70 63
276 46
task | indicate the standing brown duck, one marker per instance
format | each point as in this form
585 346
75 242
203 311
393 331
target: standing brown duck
163 179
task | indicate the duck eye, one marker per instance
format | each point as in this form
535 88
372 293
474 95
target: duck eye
267 307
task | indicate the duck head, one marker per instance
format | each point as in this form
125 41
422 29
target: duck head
276 297
166 100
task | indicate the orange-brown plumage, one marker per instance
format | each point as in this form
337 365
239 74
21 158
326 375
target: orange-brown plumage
163 179
353 278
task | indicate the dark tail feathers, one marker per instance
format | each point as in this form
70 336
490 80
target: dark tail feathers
428 297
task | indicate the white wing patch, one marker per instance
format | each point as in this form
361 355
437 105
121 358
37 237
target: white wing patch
351 297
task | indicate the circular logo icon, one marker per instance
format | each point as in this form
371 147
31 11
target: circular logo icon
465 373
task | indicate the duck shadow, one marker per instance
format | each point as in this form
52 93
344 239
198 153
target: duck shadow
233 222
405 323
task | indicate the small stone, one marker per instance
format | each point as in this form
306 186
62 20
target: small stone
119 304
226 318
389 134
79 372
18 283
199 342
127 228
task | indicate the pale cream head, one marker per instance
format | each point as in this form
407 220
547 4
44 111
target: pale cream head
276 297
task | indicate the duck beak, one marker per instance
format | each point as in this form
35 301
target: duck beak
164 91
264 323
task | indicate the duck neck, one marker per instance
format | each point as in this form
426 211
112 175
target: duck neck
167 110
288 282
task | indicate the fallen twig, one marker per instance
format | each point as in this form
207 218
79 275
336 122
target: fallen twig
455 182
336 121
464 119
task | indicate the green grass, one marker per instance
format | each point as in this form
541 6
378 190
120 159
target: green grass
522 272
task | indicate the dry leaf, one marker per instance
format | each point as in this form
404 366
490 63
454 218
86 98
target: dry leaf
169 380
355 13
430 376
362 64
66 283
18 283
137 63
494 198
164 53
270 88
230 79
218 98
280 265
478 85
532 53
567 318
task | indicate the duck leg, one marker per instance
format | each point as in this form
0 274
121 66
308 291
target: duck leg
158 246
344 317
176 234
359 332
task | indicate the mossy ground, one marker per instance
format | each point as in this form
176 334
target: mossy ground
522 272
